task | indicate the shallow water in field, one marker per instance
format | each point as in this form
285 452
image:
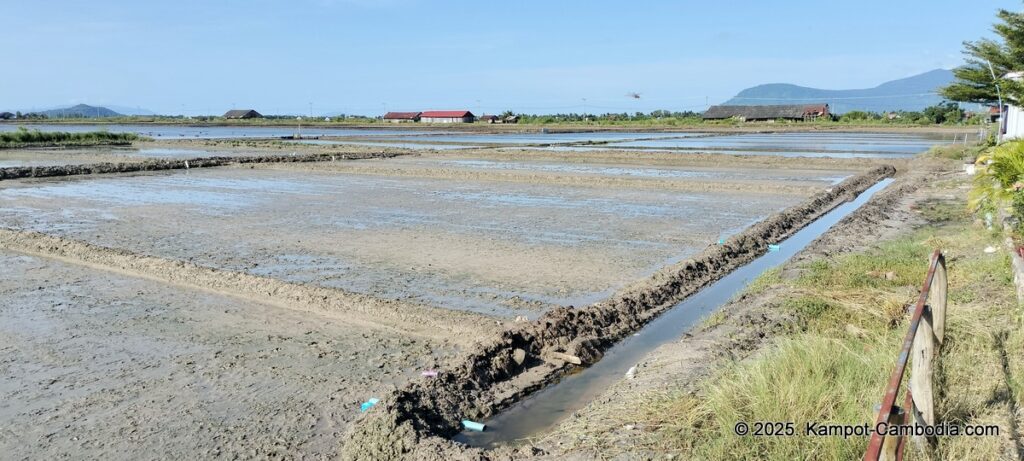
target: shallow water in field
813 144
437 241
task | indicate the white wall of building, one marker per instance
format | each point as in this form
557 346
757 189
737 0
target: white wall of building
1014 122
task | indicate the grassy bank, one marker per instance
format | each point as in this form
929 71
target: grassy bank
36 138
831 363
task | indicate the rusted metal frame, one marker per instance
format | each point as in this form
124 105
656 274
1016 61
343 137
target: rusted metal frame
875 444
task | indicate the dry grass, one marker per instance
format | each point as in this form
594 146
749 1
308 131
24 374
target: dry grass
833 365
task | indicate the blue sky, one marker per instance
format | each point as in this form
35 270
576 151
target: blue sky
367 56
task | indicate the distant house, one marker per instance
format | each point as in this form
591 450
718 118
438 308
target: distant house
511 119
6 115
402 117
242 113
487 119
447 116
799 112
993 114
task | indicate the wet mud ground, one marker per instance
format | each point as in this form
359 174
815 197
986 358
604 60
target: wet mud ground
98 365
101 362
496 247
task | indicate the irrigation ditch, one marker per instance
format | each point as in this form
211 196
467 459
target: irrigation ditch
418 420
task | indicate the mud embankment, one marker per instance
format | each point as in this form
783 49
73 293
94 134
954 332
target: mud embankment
177 164
357 309
417 421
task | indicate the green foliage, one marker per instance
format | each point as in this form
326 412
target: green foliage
1006 54
803 379
999 183
767 279
943 112
859 115
27 138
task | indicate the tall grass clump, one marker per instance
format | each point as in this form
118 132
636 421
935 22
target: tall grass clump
848 319
803 379
23 137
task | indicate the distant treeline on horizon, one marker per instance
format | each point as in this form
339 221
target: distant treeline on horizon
943 113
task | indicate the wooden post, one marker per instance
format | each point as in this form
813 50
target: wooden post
922 355
891 444
937 299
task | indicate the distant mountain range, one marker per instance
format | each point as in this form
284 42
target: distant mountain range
910 94
87 111
79 111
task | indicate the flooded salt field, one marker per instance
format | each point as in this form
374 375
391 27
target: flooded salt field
551 138
385 143
816 144
786 144
502 248
638 172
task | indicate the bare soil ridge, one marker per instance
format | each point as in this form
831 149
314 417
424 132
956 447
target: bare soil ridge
416 422
357 309
176 164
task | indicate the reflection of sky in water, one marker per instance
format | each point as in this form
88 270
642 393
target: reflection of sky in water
599 205
401 145
209 194
813 142
540 138
166 152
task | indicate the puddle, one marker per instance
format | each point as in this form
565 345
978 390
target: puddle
548 407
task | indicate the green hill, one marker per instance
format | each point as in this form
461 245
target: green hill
80 111
911 94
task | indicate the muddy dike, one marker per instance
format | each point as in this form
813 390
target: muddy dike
178 164
418 420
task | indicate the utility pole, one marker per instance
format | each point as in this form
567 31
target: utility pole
999 94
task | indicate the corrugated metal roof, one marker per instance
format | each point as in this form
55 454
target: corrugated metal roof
401 115
446 114
768 112
238 113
